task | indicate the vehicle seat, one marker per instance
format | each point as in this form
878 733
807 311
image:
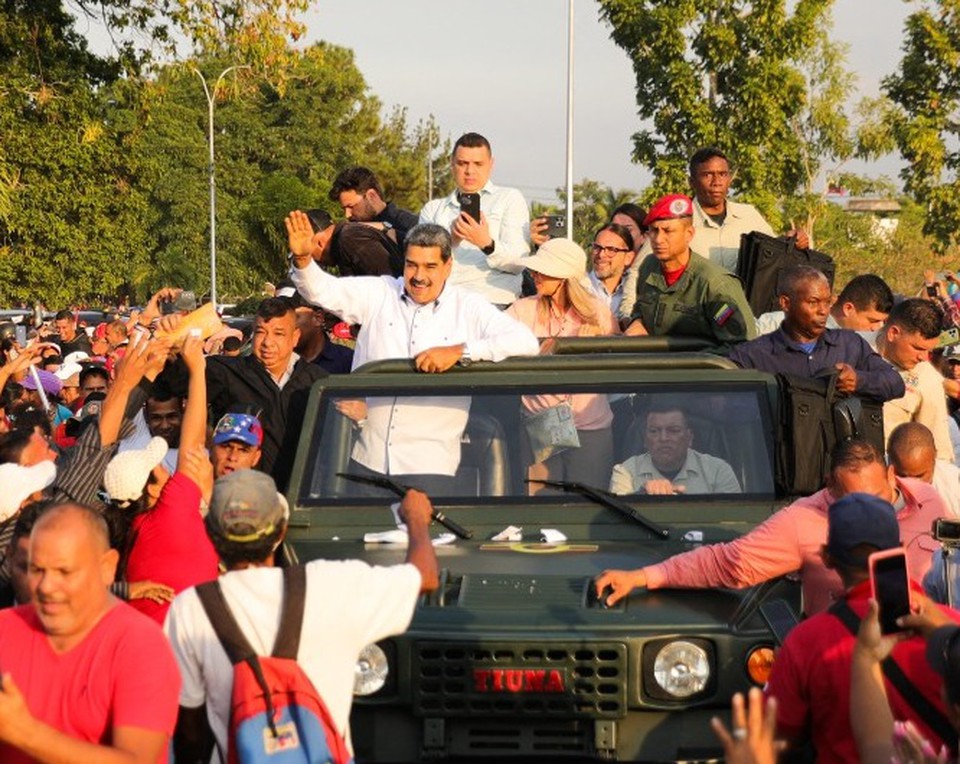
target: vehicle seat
484 459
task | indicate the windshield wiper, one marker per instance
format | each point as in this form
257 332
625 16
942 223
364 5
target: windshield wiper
400 490
605 499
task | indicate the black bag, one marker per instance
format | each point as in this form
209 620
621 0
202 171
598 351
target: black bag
761 260
813 419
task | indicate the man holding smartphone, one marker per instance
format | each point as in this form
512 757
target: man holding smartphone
488 250
812 674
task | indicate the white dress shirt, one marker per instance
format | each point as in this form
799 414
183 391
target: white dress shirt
406 435
496 276
721 243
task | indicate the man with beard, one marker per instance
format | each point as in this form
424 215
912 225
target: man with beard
670 465
803 346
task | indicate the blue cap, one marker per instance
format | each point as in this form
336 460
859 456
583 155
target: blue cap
244 428
860 518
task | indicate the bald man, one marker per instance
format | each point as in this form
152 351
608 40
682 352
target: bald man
86 677
912 452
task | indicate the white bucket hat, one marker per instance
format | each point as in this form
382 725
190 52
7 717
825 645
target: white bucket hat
559 258
20 482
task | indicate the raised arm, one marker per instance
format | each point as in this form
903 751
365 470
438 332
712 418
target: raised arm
193 428
416 511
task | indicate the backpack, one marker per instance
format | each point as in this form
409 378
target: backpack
276 714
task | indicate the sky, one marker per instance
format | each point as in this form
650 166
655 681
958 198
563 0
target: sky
499 67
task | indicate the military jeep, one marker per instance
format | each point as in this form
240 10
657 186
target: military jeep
514 656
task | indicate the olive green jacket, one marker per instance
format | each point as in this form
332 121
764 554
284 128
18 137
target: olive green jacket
706 301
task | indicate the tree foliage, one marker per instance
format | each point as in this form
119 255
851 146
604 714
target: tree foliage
735 74
924 115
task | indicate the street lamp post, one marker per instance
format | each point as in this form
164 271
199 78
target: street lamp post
570 18
211 99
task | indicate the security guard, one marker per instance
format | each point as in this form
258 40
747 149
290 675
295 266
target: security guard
680 293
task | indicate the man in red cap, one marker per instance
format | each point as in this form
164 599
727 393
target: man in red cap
680 293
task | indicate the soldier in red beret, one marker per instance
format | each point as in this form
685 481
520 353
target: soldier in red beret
680 293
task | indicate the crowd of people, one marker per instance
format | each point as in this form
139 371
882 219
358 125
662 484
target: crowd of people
147 455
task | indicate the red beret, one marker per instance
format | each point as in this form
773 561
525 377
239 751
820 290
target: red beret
669 207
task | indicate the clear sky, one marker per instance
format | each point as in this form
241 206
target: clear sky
499 67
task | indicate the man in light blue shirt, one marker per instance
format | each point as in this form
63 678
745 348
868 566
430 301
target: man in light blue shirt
487 253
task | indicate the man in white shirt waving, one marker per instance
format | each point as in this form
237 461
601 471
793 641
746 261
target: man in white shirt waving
419 316
488 253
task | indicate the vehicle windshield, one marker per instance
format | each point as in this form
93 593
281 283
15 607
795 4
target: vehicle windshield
469 445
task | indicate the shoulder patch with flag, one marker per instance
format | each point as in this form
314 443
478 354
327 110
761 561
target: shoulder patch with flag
723 314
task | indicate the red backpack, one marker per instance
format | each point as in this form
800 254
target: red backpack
276 714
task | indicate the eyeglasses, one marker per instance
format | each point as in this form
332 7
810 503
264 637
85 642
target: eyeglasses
599 250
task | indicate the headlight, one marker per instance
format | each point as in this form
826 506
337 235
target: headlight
372 670
681 669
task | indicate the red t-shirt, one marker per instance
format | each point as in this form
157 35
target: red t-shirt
811 682
170 544
123 674
672 277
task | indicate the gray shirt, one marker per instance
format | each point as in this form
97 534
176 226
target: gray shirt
701 473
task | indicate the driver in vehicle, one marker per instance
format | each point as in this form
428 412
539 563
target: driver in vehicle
670 465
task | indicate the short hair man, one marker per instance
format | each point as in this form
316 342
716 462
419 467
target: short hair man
911 332
84 674
790 540
679 293
803 346
315 346
71 340
611 255
237 439
862 306
348 605
812 673
357 190
93 379
273 380
161 417
719 222
488 253
912 452
670 465
422 316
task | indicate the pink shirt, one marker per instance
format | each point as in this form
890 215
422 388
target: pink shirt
789 541
590 411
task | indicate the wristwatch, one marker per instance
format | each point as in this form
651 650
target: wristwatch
465 359
488 250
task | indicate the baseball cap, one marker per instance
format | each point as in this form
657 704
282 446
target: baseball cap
860 518
92 405
245 507
127 473
669 207
19 482
48 381
75 357
559 259
68 370
244 428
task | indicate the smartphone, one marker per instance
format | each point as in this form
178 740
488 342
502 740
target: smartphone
470 203
933 290
556 226
891 587
779 616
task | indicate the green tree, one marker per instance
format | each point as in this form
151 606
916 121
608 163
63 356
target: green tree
924 115
731 73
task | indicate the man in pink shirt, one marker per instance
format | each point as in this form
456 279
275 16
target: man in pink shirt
790 540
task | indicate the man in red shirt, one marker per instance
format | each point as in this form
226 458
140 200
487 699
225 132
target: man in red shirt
811 675
86 677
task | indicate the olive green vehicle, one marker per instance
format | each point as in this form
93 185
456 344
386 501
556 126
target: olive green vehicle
514 656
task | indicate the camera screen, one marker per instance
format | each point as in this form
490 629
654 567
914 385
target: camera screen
893 591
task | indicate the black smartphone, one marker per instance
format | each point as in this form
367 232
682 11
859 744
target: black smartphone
779 616
556 226
933 290
891 587
470 203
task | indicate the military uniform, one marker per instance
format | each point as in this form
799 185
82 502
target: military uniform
706 301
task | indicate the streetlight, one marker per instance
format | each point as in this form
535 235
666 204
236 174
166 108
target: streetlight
211 98
570 16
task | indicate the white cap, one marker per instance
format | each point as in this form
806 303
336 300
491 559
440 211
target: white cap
68 370
20 482
127 473
75 357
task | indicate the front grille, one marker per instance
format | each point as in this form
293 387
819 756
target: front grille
507 678
535 737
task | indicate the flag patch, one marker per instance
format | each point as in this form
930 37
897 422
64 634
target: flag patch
723 315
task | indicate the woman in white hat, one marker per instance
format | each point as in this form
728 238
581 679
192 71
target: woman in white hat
569 436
